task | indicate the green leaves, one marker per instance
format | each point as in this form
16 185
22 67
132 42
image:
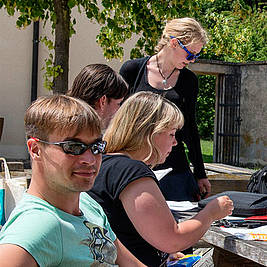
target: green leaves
50 70
206 106
237 32
47 42
72 3
237 28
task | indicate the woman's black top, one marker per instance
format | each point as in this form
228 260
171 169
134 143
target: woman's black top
184 95
116 172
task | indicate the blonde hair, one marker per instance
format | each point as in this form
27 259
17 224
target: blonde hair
187 30
140 117
59 113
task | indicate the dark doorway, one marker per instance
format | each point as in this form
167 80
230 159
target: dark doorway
227 120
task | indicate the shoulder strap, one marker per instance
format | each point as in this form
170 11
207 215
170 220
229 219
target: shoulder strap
138 77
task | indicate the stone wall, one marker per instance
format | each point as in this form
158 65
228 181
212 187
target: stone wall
253 145
253 106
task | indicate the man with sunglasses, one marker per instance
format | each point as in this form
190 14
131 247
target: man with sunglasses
55 224
166 73
102 88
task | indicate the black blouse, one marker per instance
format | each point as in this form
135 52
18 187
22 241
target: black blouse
184 95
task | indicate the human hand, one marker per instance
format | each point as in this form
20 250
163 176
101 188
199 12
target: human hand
204 187
220 207
176 256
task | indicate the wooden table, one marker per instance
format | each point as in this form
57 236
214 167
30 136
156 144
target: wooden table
230 251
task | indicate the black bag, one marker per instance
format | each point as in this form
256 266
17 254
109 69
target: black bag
245 203
258 182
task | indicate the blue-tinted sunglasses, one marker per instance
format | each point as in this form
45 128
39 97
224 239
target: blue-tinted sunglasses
190 56
78 148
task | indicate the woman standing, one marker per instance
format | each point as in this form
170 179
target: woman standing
141 135
165 73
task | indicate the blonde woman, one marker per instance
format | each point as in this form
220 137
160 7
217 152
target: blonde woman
165 73
141 135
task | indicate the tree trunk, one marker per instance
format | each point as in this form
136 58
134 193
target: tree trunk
62 38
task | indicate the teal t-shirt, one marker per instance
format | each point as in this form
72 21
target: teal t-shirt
56 238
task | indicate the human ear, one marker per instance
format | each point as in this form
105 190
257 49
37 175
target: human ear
102 102
33 149
173 43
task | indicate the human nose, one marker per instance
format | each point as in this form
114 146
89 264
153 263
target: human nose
88 157
174 142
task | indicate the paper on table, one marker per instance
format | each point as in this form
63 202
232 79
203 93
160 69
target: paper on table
161 173
234 218
259 233
181 205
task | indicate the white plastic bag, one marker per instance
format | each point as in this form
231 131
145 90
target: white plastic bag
12 189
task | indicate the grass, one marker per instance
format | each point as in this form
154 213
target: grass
207 150
207 154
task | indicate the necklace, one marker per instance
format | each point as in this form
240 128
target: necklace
165 79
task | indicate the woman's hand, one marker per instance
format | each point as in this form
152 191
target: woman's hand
204 187
220 207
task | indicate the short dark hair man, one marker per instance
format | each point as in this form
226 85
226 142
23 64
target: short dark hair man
55 224
102 88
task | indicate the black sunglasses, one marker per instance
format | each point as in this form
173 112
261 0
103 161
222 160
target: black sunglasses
190 56
77 148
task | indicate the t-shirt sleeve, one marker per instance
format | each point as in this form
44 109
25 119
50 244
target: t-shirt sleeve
38 233
126 171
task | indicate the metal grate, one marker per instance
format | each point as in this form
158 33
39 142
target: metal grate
227 139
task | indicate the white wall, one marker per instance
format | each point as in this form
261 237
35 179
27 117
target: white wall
15 78
15 72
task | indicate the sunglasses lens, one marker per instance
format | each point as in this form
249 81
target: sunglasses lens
95 149
74 148
98 148
102 146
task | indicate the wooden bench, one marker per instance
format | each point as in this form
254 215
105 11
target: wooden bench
228 182
227 178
